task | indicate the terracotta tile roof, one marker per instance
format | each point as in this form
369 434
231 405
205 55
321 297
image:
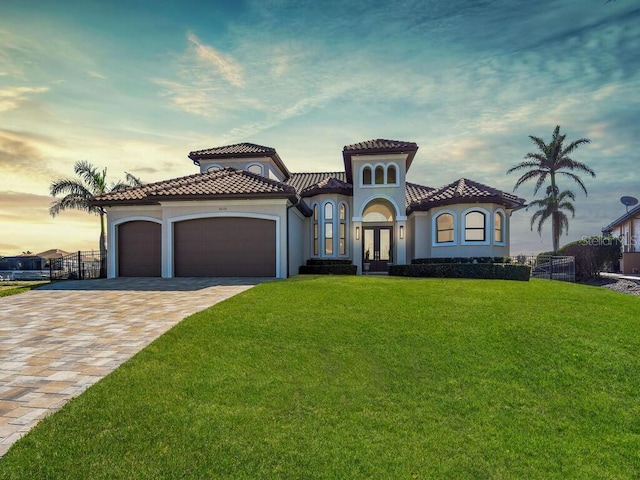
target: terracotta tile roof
300 181
328 185
414 193
223 183
240 150
465 190
379 145
233 150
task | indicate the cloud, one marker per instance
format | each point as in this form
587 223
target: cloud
208 56
12 97
95 74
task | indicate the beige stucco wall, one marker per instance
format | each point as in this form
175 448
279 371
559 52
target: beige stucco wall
297 240
170 212
630 262
425 245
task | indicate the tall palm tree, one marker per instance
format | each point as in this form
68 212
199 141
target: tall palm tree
553 160
552 206
78 192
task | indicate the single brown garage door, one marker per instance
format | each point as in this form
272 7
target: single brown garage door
139 249
225 247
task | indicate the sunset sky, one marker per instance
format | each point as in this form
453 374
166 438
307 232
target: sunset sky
135 85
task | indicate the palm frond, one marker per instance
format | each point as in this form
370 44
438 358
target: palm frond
73 202
68 186
133 180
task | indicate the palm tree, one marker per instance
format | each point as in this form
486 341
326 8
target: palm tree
551 161
551 206
78 192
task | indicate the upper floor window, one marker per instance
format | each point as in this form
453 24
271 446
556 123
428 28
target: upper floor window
474 227
255 168
366 176
498 234
391 174
379 175
444 228
213 168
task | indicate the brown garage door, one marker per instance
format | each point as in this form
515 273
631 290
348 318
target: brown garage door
139 249
225 247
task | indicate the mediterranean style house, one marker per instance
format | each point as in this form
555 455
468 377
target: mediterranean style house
627 229
246 214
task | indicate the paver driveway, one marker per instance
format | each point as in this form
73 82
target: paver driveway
58 340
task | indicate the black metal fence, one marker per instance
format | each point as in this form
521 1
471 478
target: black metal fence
79 266
551 267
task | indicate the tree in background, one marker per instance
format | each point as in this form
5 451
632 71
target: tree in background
551 162
551 207
79 191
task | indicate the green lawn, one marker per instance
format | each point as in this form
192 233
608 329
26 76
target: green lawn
8 288
352 377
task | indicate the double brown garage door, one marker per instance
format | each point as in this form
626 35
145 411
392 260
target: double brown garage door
205 247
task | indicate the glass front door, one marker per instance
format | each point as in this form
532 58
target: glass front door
377 248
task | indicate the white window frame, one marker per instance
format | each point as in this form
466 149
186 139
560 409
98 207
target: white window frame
315 221
487 224
255 164
434 229
323 221
346 229
504 227
385 177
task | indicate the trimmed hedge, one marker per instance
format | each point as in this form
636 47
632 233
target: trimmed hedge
328 269
496 271
327 261
463 260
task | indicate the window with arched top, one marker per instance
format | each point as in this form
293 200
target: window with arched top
391 174
328 229
255 168
474 227
379 175
342 232
445 228
315 230
213 168
366 176
498 227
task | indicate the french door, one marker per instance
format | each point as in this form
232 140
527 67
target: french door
377 248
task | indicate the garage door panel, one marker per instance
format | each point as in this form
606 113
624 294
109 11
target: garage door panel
227 246
139 249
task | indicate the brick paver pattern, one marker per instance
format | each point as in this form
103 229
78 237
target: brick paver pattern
57 341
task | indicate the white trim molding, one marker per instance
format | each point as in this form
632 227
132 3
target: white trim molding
487 226
504 227
434 229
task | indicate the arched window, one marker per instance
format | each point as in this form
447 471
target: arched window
342 233
366 176
498 226
328 229
444 228
213 168
379 175
391 174
255 168
315 229
474 227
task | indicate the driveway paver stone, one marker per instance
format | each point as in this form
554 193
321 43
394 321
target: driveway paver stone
60 339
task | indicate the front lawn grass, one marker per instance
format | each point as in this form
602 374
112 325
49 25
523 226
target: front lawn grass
352 377
8 288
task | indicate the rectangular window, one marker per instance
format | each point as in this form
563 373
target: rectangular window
343 239
328 239
315 239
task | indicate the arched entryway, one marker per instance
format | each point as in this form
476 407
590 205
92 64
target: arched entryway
378 249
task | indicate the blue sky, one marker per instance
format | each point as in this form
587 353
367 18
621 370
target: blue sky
134 86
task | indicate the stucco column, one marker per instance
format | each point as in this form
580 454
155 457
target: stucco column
356 242
401 242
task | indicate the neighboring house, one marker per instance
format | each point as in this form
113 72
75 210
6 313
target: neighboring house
246 214
26 261
627 228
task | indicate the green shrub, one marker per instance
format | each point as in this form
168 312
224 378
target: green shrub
430 261
593 255
328 269
500 271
